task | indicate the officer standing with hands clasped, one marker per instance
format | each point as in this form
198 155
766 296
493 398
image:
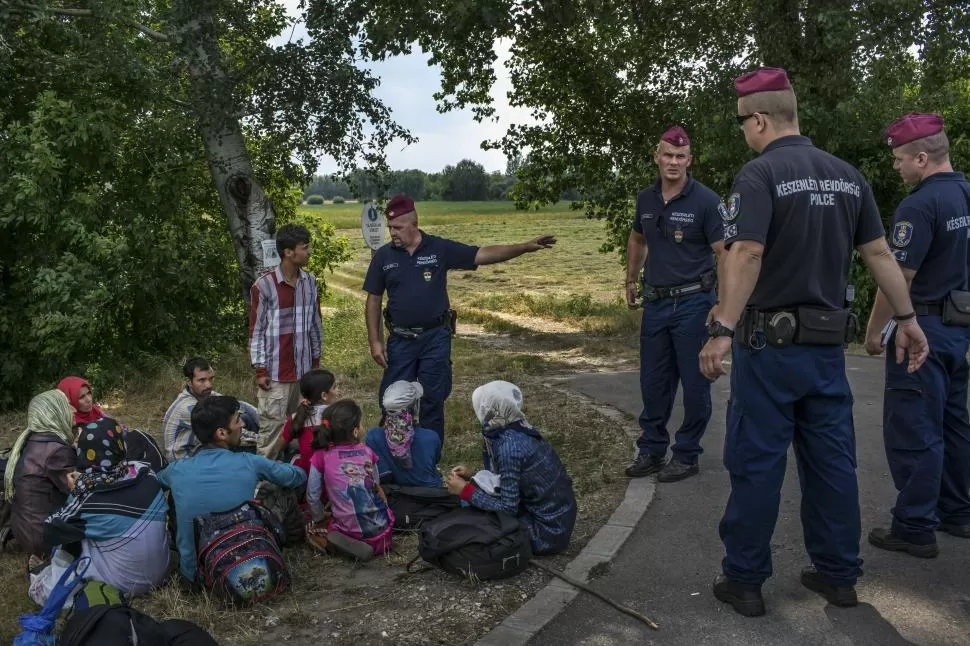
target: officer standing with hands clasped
794 215
925 423
677 232
412 268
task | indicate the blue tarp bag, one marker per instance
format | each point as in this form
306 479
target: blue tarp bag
39 626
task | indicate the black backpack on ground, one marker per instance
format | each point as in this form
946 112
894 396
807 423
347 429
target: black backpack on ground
285 505
414 506
479 545
119 625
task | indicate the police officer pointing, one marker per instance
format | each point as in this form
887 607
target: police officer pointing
413 269
676 227
794 215
925 423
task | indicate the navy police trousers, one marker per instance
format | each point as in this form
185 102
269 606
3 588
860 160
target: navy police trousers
927 434
672 334
781 396
426 359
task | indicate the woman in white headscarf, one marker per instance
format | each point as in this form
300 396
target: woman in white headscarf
533 484
407 453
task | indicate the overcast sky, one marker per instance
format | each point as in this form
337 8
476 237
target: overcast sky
407 86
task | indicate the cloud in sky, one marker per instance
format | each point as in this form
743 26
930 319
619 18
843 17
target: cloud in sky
407 85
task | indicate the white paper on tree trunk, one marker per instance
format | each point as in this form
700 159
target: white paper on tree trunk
271 257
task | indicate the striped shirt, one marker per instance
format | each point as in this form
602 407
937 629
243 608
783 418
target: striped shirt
180 442
285 329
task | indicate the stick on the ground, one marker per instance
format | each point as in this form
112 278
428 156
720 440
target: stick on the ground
585 588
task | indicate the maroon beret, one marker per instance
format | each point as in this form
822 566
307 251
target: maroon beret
911 127
676 136
763 79
399 205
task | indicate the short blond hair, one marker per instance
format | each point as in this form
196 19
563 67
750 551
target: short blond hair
936 147
779 106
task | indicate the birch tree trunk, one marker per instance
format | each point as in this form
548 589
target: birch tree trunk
249 213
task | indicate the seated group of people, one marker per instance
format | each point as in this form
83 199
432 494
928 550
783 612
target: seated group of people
81 482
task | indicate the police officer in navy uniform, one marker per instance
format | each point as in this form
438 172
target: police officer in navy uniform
795 214
678 228
925 422
412 269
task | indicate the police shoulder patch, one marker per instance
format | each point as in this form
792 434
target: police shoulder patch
733 207
902 233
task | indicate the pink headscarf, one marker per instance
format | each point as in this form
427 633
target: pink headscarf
71 386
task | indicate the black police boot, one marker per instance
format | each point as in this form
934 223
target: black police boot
843 596
645 464
886 540
677 470
745 599
960 531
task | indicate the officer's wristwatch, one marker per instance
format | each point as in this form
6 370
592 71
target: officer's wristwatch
716 329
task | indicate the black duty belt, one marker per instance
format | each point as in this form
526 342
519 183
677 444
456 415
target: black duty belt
928 309
801 325
413 331
704 284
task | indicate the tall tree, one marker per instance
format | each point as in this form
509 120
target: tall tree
303 98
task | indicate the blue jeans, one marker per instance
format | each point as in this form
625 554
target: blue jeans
927 434
426 359
779 396
672 333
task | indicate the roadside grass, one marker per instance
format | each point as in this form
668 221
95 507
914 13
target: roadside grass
347 215
377 602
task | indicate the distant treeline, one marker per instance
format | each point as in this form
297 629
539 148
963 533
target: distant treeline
465 181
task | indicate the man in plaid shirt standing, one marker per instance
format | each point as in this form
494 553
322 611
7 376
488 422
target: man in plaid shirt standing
285 333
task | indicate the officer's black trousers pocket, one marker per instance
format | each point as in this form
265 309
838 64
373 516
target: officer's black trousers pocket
821 327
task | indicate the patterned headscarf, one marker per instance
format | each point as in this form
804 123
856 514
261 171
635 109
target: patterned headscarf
400 405
48 412
101 456
498 404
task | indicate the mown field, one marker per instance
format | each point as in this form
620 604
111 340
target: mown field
573 284
542 315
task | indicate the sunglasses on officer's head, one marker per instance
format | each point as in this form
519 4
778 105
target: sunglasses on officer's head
741 118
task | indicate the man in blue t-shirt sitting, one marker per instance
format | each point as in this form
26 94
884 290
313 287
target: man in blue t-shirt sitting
407 454
216 478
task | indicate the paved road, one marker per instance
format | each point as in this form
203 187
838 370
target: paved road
666 568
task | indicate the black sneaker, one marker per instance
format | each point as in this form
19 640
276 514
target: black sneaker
886 540
745 599
843 596
645 464
960 531
676 470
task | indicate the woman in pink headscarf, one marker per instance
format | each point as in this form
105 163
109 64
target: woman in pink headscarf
79 393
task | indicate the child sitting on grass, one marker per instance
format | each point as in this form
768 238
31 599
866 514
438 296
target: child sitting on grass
318 388
343 472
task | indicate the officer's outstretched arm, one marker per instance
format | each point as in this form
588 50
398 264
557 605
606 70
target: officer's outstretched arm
500 253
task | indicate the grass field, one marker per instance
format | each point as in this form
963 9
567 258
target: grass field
545 314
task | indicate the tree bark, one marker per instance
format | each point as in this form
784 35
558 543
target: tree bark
249 212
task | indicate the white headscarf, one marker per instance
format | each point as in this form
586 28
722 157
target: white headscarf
402 394
498 404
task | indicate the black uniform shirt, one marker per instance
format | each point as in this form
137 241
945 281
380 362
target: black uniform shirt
679 234
930 231
809 209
